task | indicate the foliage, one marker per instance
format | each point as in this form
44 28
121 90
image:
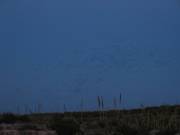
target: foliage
64 126
143 121
10 118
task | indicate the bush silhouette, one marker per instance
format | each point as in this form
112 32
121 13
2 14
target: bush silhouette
64 126
8 118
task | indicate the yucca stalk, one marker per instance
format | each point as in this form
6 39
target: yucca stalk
99 102
99 106
102 105
120 100
65 109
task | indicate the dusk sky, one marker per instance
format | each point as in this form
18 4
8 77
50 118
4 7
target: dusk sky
57 52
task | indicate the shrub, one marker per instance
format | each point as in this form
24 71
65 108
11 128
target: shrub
102 124
24 118
167 132
126 130
8 118
64 126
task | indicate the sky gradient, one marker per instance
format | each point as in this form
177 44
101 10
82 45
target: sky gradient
56 52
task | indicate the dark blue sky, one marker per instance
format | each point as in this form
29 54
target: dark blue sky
58 51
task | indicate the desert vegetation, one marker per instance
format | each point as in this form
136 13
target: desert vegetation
162 120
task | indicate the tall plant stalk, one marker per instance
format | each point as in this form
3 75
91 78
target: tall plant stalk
102 106
99 106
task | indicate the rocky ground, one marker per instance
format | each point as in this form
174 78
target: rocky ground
25 129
